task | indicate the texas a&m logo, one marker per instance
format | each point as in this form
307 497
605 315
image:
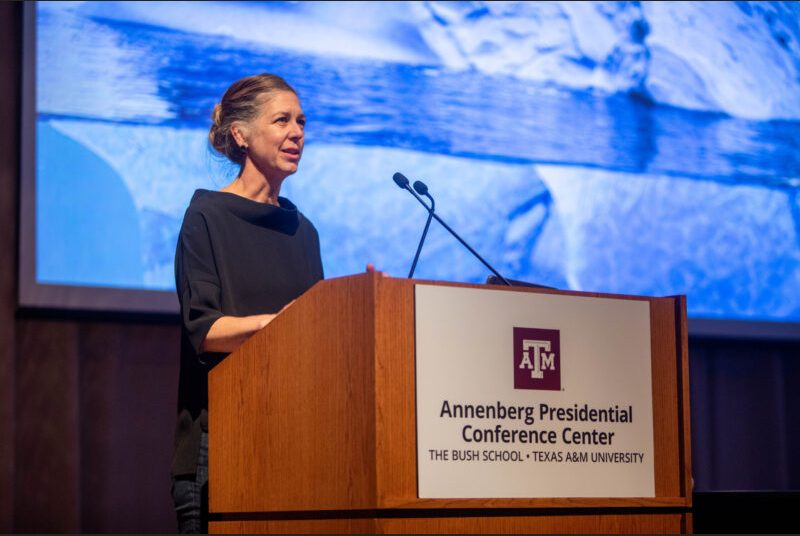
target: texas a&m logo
537 359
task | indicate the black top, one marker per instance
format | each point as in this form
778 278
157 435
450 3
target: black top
235 257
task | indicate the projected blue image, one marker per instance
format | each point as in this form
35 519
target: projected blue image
635 148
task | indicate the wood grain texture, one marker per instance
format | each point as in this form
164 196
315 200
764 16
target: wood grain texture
369 377
96 415
128 379
569 524
580 524
9 169
145 392
665 398
684 414
98 377
395 400
291 413
553 502
47 485
312 526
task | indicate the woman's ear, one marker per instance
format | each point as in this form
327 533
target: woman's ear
238 135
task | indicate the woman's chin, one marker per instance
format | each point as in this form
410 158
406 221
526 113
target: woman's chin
289 165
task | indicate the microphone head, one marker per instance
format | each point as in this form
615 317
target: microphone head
421 187
400 180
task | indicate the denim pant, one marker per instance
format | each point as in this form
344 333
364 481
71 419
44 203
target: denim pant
190 494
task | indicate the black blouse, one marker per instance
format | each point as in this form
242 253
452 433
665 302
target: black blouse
234 257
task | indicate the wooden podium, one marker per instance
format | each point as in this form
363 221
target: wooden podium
312 428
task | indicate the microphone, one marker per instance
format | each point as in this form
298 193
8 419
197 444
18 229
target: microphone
422 188
403 183
400 180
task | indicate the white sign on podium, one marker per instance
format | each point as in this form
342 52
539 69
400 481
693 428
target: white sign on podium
532 395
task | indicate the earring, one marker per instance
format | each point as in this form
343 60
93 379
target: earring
243 148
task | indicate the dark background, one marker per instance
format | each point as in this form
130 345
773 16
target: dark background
87 403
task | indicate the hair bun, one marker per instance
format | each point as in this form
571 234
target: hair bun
216 114
215 131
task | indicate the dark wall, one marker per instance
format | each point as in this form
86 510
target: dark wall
94 417
745 402
9 97
87 405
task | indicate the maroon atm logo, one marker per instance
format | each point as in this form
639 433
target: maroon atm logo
537 359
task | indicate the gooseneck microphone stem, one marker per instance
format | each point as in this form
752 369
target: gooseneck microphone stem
402 182
452 232
422 239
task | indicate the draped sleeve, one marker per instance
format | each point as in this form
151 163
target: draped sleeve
197 279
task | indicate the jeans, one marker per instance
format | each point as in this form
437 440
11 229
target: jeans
190 494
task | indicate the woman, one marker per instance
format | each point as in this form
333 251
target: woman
243 254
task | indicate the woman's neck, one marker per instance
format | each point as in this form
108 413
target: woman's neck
255 186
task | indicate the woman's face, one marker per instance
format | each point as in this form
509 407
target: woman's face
275 138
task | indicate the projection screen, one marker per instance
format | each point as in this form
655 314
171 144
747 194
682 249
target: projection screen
635 148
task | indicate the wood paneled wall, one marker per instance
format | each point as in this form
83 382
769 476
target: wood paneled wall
95 410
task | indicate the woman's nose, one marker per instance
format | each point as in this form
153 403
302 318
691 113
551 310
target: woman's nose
297 131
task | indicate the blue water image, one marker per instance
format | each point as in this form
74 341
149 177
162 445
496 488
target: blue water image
633 189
